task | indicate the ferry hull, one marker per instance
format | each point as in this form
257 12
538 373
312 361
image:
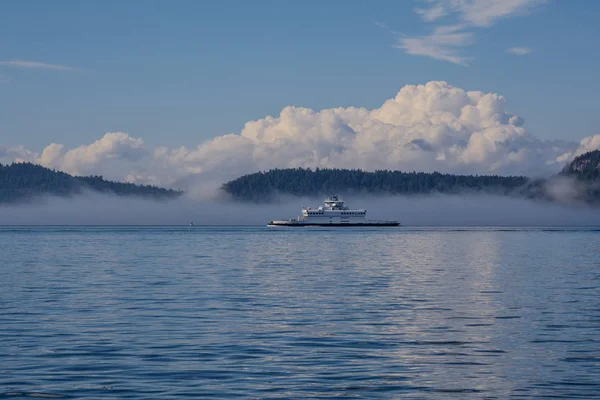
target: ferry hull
286 223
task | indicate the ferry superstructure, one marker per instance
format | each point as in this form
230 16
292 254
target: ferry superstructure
333 212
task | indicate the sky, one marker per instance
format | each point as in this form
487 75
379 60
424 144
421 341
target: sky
167 92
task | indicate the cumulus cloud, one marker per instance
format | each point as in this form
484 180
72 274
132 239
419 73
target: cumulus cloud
23 64
586 145
446 40
82 160
430 127
519 51
86 159
15 154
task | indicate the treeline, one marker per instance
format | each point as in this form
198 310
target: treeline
581 186
21 182
264 186
585 167
25 181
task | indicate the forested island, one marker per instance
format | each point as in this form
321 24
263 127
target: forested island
266 186
21 182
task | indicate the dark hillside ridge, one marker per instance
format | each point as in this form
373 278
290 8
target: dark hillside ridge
23 182
583 172
585 167
264 186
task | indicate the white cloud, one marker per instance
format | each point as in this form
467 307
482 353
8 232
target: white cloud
15 154
587 144
432 13
431 127
485 13
519 51
480 13
113 147
445 41
442 44
36 65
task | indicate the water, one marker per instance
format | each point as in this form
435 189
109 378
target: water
256 312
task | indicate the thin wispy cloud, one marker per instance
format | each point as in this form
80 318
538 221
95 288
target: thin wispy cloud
519 51
442 44
460 18
485 13
432 13
22 64
383 25
3 79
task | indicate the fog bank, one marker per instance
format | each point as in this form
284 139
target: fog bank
432 210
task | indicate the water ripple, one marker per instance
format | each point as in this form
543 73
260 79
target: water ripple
247 312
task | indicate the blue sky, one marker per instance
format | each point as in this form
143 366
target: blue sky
179 73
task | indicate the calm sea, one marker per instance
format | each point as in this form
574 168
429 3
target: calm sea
257 312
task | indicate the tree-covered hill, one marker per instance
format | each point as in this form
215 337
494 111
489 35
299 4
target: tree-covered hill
585 167
20 182
584 172
583 177
264 186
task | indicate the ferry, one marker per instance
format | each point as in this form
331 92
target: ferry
333 212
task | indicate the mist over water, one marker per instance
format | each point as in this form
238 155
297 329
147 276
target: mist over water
432 210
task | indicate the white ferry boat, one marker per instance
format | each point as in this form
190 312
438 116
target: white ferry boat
333 212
